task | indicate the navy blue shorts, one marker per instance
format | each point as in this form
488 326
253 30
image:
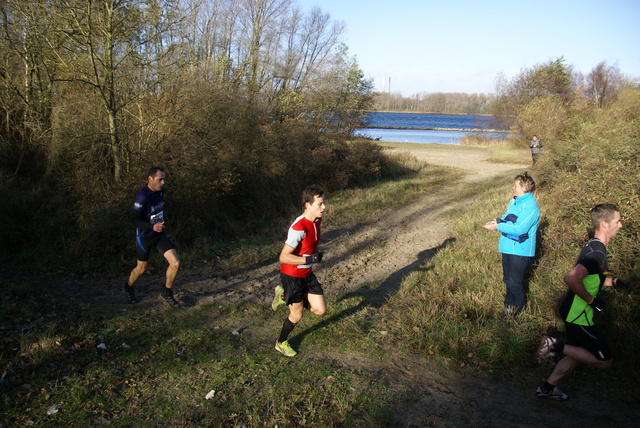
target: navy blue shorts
296 288
144 244
588 337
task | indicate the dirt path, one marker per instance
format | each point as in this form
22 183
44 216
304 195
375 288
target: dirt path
387 249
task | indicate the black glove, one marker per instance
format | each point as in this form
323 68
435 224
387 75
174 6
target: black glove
313 258
597 303
623 284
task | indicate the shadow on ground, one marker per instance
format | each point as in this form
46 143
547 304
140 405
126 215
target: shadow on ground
373 297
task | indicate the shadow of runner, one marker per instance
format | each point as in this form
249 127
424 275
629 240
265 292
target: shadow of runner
375 297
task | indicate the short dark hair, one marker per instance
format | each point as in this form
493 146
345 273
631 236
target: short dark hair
526 181
153 170
309 194
602 212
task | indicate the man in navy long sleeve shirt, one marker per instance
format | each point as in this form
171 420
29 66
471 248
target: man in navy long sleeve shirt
148 217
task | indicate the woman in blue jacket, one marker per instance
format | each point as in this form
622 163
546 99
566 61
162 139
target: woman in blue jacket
517 243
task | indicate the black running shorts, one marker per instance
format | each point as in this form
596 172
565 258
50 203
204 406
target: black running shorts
588 337
295 288
144 244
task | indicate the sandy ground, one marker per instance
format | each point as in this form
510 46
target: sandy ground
387 249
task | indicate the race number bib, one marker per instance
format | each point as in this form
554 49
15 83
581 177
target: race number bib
157 218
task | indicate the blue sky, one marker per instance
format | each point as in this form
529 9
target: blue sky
462 45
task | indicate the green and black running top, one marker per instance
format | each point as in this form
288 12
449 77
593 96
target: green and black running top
594 258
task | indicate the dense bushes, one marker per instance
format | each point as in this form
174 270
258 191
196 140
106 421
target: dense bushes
231 172
598 165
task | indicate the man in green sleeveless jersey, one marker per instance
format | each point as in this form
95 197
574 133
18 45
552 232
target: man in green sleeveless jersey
585 344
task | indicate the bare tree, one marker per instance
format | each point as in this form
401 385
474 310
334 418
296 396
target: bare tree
260 30
210 33
307 54
27 75
266 48
96 73
114 47
309 48
341 100
603 84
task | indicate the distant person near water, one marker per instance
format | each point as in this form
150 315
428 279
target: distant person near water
148 217
300 288
518 228
536 148
585 344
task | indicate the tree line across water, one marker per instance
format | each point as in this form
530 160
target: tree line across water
600 86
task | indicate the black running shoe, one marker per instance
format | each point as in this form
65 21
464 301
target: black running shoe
555 394
128 292
170 299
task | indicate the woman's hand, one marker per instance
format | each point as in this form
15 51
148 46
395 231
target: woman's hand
491 225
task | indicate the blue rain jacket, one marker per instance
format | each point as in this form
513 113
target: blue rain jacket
526 214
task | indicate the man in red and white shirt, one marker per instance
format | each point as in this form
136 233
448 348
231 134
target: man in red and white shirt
300 287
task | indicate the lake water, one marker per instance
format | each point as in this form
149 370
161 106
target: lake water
426 128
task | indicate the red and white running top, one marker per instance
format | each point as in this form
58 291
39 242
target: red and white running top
304 236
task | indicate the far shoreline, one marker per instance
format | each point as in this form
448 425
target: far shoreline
434 112
440 129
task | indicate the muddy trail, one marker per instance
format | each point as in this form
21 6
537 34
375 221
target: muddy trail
425 393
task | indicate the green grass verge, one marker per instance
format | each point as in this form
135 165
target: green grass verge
158 366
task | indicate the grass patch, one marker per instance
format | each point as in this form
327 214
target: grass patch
506 155
512 149
428 147
362 205
156 367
